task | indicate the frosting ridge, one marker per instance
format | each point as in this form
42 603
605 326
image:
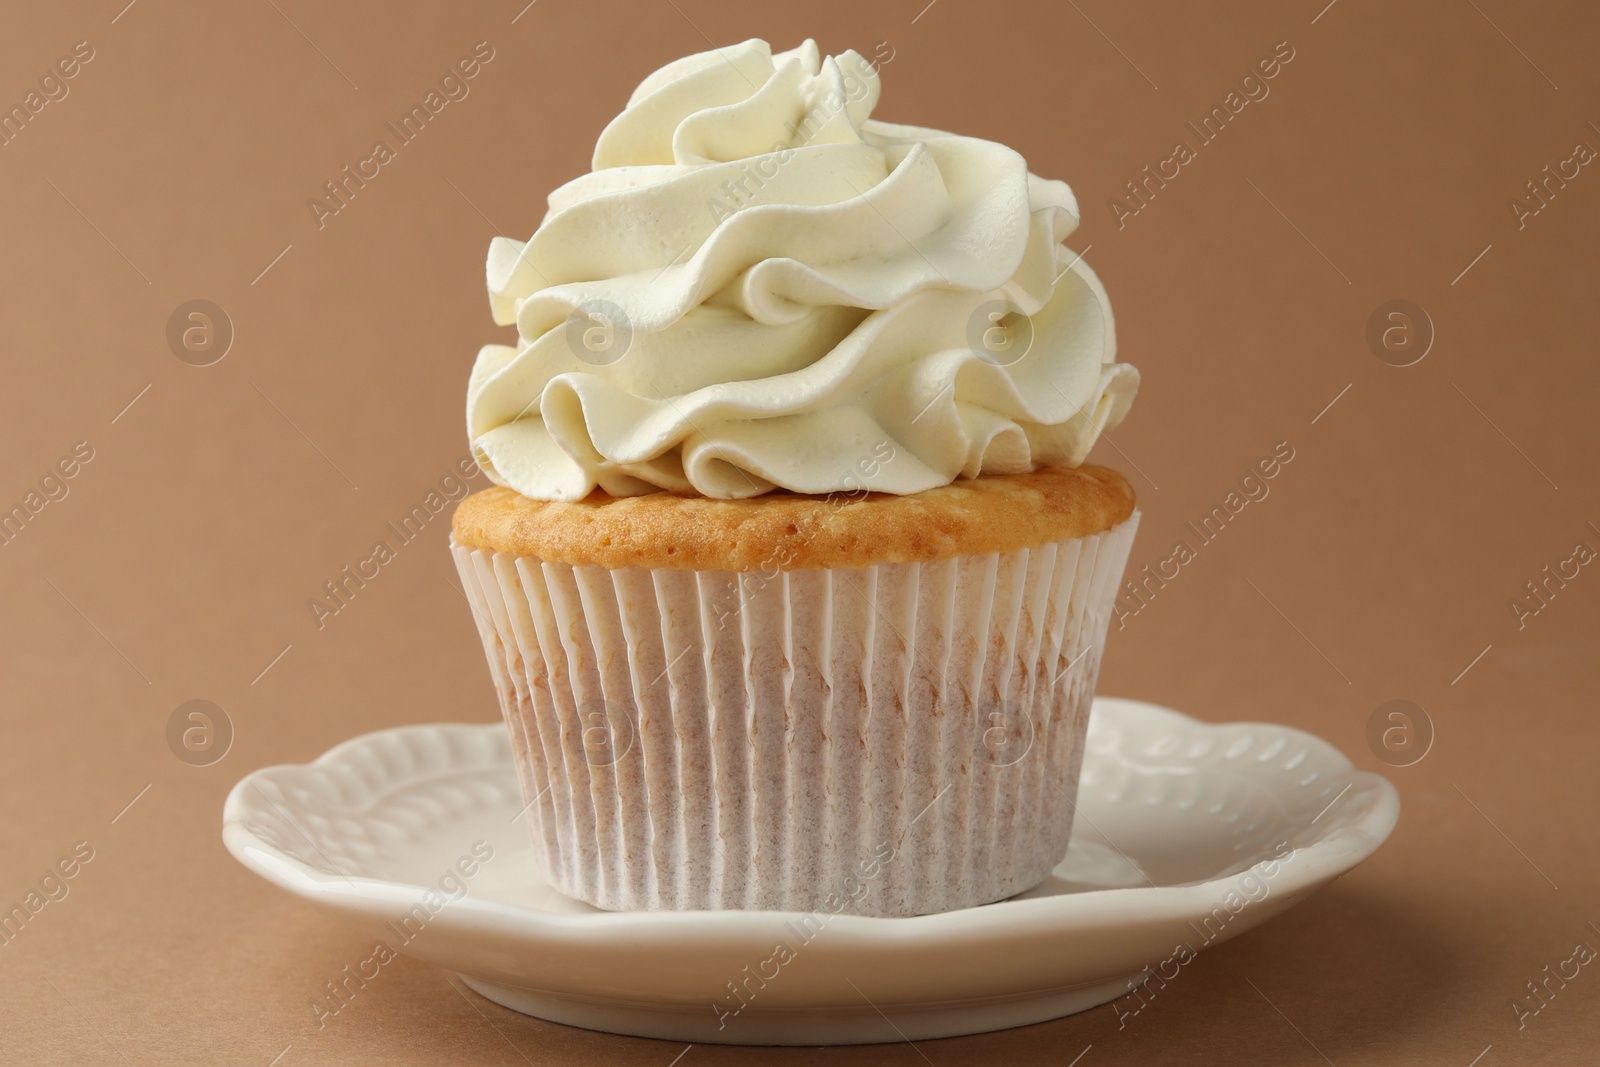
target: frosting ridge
759 286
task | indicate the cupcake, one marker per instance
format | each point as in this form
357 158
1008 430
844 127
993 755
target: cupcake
793 582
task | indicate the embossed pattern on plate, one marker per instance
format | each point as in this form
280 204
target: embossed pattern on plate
1187 833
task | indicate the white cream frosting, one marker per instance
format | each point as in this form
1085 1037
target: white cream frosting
759 286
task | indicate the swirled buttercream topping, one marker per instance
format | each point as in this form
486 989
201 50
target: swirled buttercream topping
759 286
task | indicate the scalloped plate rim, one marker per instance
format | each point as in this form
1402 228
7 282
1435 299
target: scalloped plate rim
1308 868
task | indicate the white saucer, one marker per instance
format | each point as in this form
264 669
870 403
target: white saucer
1178 825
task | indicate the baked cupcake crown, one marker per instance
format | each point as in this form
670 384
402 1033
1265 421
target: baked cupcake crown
786 531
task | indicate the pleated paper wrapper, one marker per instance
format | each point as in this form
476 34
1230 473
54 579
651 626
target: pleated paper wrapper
893 740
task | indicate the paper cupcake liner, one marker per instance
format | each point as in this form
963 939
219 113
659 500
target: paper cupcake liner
893 740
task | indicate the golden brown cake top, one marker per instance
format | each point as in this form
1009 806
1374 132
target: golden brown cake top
787 531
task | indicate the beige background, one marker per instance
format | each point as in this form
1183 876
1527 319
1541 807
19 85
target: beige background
1380 167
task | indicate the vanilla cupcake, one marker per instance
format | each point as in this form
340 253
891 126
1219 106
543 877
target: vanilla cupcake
793 586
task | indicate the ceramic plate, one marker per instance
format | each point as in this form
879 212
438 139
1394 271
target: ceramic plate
1187 834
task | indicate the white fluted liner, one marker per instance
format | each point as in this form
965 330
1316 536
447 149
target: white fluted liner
893 740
